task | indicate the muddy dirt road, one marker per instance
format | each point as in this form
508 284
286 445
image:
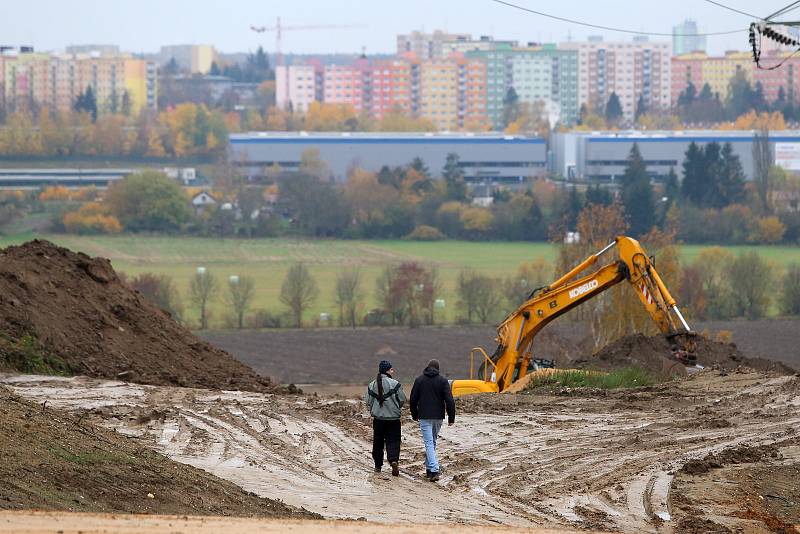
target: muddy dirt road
602 460
73 523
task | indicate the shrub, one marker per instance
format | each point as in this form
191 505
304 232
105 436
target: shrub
790 290
159 290
425 233
768 230
266 319
751 279
91 218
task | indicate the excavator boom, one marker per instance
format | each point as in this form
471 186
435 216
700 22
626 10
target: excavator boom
515 335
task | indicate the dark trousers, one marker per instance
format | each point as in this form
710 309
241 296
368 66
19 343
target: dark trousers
385 433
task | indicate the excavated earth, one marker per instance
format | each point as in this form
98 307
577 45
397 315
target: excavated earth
58 461
689 455
652 353
67 313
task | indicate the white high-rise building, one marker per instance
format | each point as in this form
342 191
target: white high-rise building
296 86
629 69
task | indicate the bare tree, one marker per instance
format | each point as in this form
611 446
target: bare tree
299 291
479 296
241 290
348 296
160 290
202 289
762 165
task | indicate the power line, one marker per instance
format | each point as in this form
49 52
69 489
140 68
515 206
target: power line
783 11
723 6
611 28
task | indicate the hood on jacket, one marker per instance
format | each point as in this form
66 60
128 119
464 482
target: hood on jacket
430 371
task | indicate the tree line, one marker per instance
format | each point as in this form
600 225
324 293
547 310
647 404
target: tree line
716 285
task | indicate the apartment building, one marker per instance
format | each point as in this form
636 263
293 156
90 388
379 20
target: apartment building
191 58
297 86
629 69
718 71
55 81
539 75
427 46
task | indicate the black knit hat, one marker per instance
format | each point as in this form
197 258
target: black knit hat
384 366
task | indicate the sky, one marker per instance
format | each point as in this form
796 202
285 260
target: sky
144 25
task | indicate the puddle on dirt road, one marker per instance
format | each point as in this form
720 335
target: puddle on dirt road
605 462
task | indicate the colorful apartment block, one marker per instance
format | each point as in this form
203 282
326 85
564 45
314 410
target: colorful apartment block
629 69
701 69
718 71
389 89
686 69
786 78
538 74
44 80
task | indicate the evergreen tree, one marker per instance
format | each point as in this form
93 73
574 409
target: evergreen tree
687 96
418 165
86 102
257 68
671 187
641 107
613 109
637 193
759 102
692 188
214 70
596 194
126 105
574 207
172 67
740 95
731 178
712 161
454 178
511 107
671 193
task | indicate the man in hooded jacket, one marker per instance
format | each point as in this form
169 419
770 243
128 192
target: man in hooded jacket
385 398
430 397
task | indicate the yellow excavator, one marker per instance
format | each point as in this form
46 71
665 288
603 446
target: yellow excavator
512 359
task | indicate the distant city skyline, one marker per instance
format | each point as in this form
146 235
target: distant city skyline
145 25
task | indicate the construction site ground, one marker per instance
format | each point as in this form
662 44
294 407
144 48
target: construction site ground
685 456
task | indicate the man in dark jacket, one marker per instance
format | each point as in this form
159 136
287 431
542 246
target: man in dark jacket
430 397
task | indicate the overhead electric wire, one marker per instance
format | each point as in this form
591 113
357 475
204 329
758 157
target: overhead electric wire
723 6
611 28
783 11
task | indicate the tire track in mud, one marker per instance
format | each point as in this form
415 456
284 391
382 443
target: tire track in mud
588 460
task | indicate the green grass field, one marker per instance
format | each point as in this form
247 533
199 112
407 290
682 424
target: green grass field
268 259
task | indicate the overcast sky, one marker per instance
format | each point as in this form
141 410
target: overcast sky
145 25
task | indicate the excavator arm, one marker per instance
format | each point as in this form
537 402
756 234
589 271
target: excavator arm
516 333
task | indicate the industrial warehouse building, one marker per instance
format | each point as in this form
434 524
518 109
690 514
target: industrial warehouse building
603 155
485 158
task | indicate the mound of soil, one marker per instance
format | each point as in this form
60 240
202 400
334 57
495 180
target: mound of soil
653 354
56 461
62 312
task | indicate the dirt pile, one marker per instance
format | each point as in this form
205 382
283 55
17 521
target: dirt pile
56 461
62 313
653 354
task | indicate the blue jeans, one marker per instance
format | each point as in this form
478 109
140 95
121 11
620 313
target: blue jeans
430 431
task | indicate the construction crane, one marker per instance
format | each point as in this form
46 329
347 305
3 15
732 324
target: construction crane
279 29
